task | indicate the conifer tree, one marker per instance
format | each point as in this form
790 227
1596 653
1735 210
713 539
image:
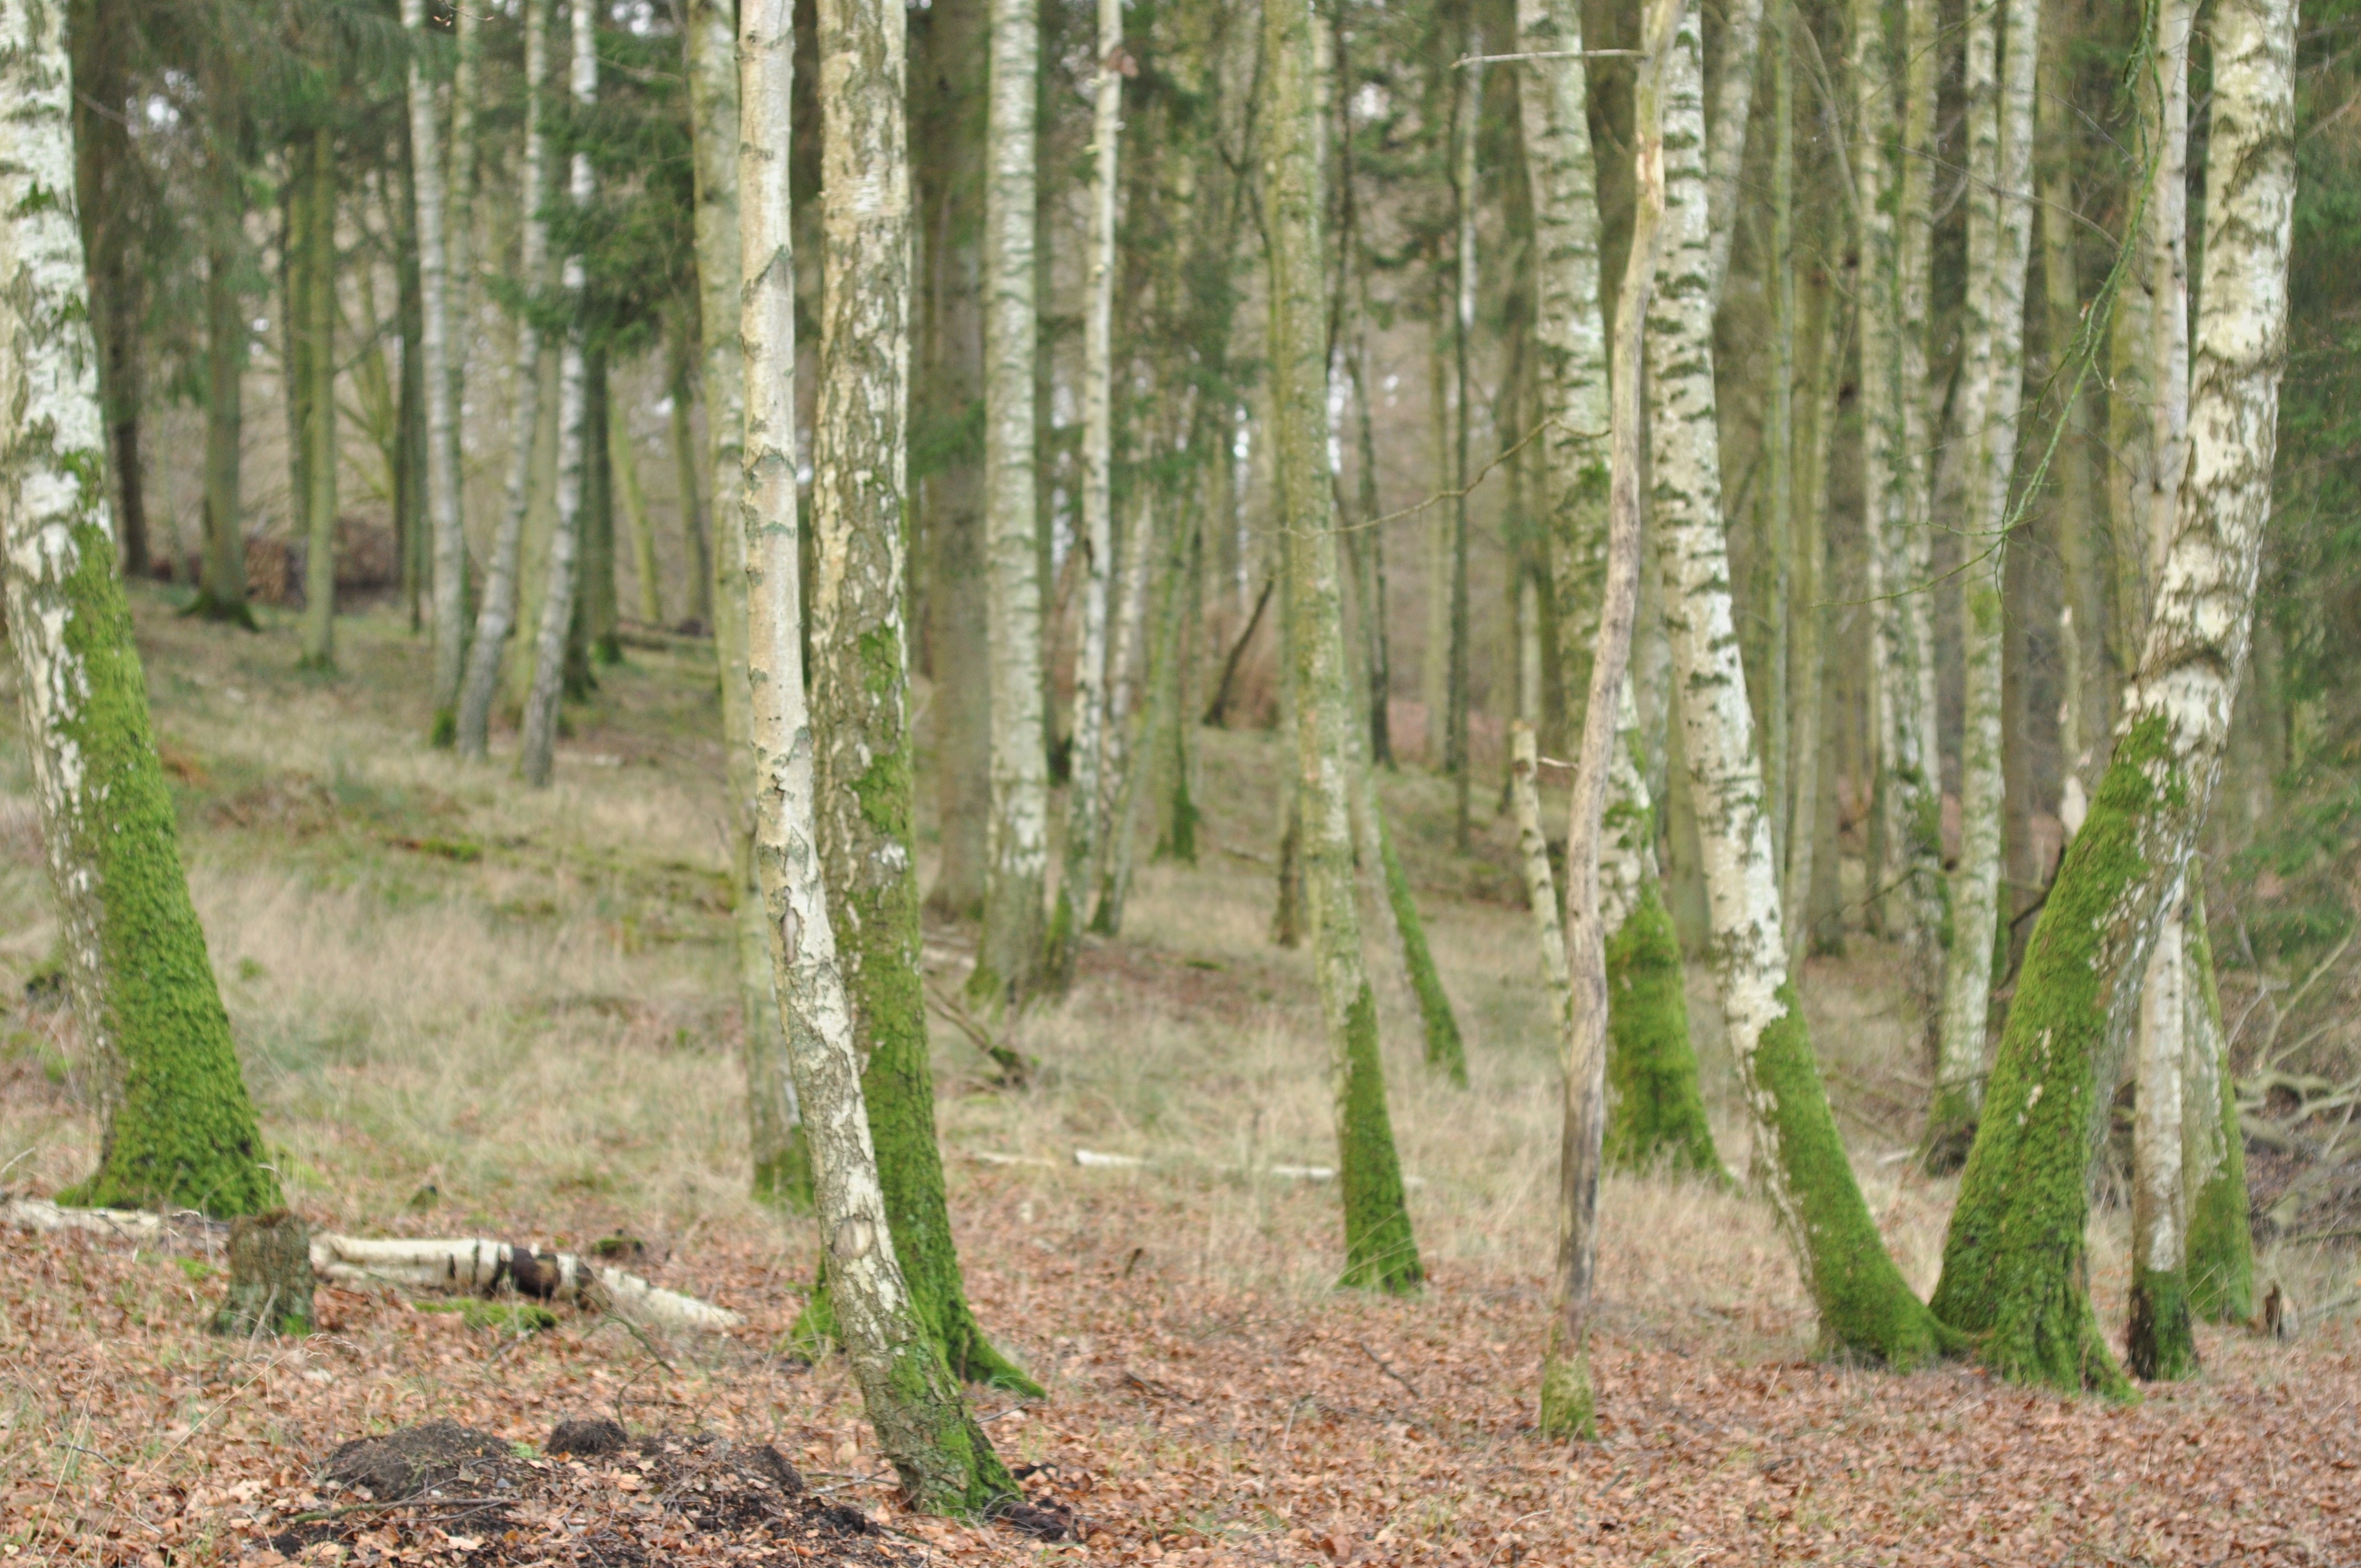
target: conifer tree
180 1128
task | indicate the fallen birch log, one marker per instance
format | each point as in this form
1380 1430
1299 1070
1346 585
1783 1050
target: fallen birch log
467 1266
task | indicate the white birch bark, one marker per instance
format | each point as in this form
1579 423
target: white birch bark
444 524
540 727
496 615
459 233
2158 1214
1532 859
2000 244
1016 835
1085 812
1119 781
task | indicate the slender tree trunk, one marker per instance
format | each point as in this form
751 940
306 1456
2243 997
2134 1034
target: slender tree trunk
180 1129
319 264
1568 1402
459 250
1008 955
860 679
1126 727
496 616
599 614
112 199
626 480
1378 1248
1435 654
1866 1310
1808 669
413 540
1731 110
222 587
1778 516
443 520
1084 804
559 577
695 538
1466 280
2081 621
2221 1240
2013 1262
945 1463
1999 236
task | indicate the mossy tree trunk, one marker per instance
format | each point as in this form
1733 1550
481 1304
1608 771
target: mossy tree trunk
945 1463
1017 855
859 676
1865 1307
560 576
2014 1260
180 1129
2220 1258
1991 379
445 525
495 614
1378 1248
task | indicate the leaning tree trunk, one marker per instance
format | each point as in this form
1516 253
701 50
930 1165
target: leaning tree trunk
2159 1346
558 576
319 264
1016 854
496 616
1657 1109
2000 245
1084 807
1866 1310
180 1129
2013 1263
443 523
945 1463
1568 1402
859 678
1378 1248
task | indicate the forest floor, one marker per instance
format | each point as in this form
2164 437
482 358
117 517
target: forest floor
469 1008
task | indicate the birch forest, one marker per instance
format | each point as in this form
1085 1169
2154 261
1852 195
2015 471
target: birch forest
1263 782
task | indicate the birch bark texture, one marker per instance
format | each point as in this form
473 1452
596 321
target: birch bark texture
1380 1250
180 1128
1799 1161
1016 830
2000 247
2012 1260
912 1400
1085 812
444 525
864 789
496 616
539 739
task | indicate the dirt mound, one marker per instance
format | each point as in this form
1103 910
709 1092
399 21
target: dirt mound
445 1493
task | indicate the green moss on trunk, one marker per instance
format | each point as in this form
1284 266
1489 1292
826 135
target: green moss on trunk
2013 1264
2221 1249
2158 1346
1655 1114
1569 1410
1867 1310
1380 1250
1444 1050
182 1131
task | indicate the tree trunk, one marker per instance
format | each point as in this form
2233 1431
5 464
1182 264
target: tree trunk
1084 804
459 259
269 1276
860 680
1008 954
1777 519
696 538
113 199
2221 1240
444 523
600 615
2013 1262
1126 727
945 1463
1866 1310
319 264
2081 621
221 590
1466 280
496 616
539 739
1810 783
180 1129
625 478
1991 378
1378 1248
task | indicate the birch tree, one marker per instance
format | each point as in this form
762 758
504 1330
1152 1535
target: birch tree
1379 1247
1017 851
860 677
495 614
1865 1307
1991 379
443 523
180 1128
945 1463
1657 1109
540 726
2013 1265
1085 811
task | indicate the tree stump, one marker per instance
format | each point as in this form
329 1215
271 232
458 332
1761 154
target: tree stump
269 1276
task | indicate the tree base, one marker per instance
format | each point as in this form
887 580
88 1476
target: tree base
2159 1347
221 611
964 1349
269 1276
1569 1404
1656 1116
1950 1132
